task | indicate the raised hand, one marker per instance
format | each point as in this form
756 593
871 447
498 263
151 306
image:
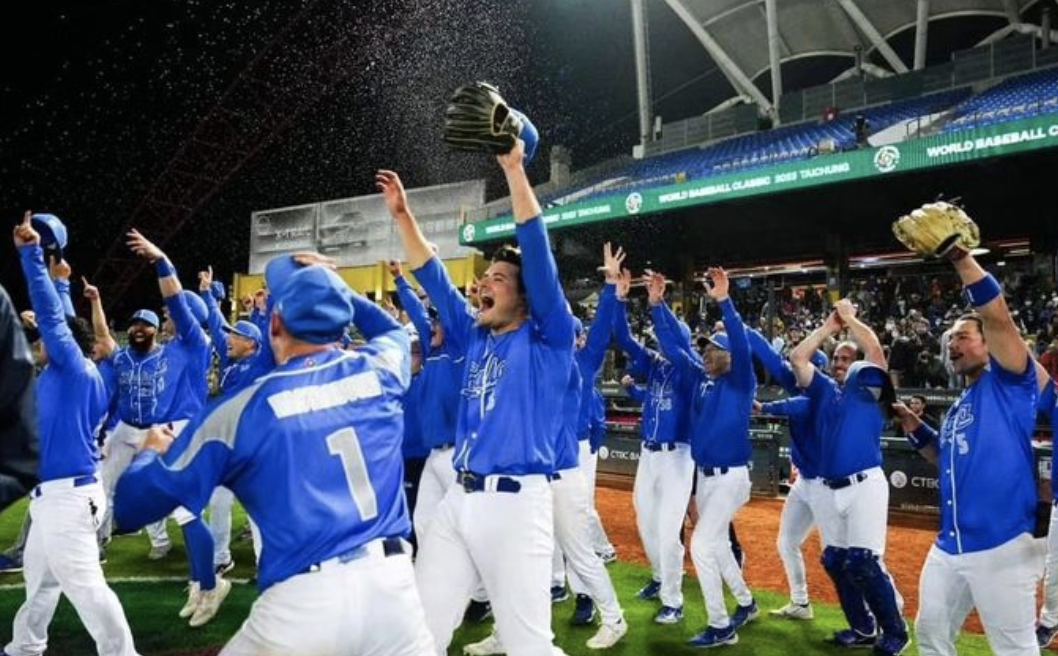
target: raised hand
627 381
205 279
58 268
845 310
515 158
143 247
91 292
395 269
624 283
392 190
309 258
611 262
24 233
718 288
655 283
909 421
833 323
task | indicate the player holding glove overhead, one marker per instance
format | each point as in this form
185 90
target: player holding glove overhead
984 555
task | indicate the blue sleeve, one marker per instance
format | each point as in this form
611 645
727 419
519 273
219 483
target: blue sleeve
637 393
670 340
62 286
185 323
110 376
792 408
409 300
51 318
772 361
261 319
741 358
623 334
594 351
452 308
547 302
151 488
676 329
217 324
388 345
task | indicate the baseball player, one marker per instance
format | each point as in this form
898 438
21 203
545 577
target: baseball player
497 524
1047 626
165 385
725 386
984 555
312 450
243 357
847 414
438 387
61 555
588 577
665 472
600 542
798 516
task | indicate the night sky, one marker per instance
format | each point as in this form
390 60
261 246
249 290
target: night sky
96 97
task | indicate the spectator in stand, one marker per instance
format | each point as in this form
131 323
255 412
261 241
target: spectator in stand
1049 359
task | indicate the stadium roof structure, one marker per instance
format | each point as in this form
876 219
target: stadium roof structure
747 38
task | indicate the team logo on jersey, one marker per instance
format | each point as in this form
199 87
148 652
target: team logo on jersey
887 159
955 425
482 381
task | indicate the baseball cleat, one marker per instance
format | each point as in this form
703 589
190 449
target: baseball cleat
585 612
669 615
608 635
1045 635
9 565
714 637
157 553
224 568
559 593
194 595
608 557
745 614
478 612
487 647
891 645
853 639
649 591
209 603
794 611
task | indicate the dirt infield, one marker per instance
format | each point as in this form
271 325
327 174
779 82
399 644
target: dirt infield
758 528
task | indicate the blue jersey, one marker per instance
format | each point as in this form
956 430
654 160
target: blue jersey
589 358
168 383
413 445
597 430
437 385
510 407
987 489
805 445
71 397
1048 406
235 374
849 428
667 395
722 405
311 450
567 451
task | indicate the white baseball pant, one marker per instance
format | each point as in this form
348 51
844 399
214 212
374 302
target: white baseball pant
366 606
438 475
718 497
795 523
1049 611
62 558
660 495
589 464
507 539
220 505
856 515
1000 582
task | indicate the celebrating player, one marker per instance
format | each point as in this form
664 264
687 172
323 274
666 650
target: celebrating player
497 524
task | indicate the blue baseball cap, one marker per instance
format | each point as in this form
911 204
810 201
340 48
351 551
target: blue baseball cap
216 288
197 306
278 271
246 329
720 341
527 133
315 305
52 232
146 316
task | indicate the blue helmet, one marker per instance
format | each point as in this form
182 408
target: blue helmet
52 233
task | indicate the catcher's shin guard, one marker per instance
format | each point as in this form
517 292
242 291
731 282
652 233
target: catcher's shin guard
850 597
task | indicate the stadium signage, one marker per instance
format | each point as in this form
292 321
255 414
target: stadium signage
938 150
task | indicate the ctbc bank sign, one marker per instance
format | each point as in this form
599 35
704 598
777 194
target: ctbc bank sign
899 480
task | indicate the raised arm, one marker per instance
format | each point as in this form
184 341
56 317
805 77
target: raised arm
861 333
60 273
215 320
741 358
388 345
59 342
409 300
104 340
635 392
594 351
416 248
801 356
172 291
920 435
1004 340
779 369
669 340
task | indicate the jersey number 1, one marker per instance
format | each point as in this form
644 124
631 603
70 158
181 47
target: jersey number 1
346 445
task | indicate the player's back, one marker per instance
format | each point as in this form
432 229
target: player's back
317 458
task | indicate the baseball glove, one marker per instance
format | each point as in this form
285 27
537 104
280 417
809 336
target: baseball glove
934 229
478 120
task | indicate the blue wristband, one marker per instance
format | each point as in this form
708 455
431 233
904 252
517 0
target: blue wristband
983 291
164 268
922 436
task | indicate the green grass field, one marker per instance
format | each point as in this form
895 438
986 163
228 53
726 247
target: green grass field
152 605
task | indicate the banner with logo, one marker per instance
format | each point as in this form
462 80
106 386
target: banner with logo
938 150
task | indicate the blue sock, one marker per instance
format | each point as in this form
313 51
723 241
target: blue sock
199 544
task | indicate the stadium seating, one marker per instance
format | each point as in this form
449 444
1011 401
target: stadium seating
1015 98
